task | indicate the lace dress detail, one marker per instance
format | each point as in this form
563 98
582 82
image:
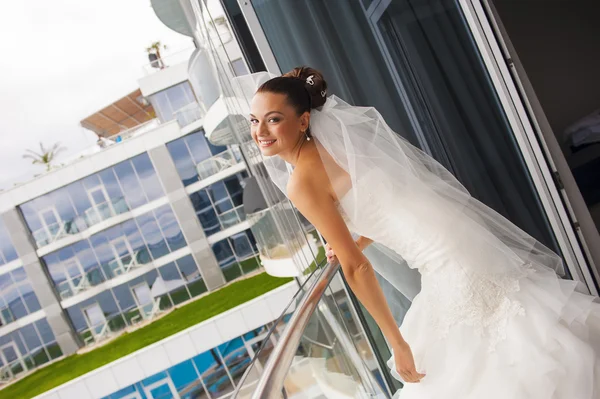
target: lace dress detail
481 302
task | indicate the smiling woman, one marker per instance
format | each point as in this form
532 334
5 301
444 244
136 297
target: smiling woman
283 109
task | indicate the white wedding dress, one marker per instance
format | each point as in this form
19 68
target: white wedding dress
492 320
518 335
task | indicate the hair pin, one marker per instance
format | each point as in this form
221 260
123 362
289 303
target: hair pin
310 80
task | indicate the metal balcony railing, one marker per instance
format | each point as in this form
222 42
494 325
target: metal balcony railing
218 163
232 216
189 114
323 351
90 217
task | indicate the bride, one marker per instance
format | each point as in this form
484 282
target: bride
493 319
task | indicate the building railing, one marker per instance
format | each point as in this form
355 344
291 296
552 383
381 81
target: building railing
98 274
167 61
123 264
134 131
219 162
189 114
323 351
10 371
232 217
91 216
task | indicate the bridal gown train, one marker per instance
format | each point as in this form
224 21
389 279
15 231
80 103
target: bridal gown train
524 335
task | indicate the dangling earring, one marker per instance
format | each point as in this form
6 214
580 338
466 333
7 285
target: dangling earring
307 136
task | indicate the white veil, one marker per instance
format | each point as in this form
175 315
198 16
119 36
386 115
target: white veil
362 144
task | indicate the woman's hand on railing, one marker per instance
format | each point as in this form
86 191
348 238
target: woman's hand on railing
331 258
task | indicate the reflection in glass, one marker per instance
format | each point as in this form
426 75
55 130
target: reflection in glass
7 250
26 348
192 150
167 102
113 252
89 201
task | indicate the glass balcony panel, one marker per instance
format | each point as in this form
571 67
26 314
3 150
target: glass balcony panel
232 217
218 163
188 114
331 358
120 205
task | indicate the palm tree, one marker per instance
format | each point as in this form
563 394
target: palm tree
46 155
155 49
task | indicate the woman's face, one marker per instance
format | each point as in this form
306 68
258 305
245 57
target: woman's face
275 126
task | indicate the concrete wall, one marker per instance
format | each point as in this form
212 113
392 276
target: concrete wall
186 216
41 283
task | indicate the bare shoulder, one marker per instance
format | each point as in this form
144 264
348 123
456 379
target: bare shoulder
308 182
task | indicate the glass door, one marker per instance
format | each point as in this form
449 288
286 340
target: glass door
6 315
101 206
562 201
95 319
52 224
76 279
163 389
143 299
124 256
12 359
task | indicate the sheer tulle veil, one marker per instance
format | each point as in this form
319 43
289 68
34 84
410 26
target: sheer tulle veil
358 140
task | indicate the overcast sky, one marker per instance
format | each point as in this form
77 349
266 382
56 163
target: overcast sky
63 60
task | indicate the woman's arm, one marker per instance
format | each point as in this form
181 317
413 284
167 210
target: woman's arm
318 206
363 242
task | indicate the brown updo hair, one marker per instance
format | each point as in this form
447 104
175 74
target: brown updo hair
304 87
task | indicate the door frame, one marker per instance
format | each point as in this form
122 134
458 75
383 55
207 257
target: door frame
577 259
116 254
135 298
165 381
87 318
15 347
68 276
537 166
43 221
101 188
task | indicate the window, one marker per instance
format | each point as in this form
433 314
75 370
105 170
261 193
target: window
113 252
168 102
91 200
7 250
239 67
419 66
219 206
28 347
174 283
147 175
189 151
17 298
170 228
237 255
205 212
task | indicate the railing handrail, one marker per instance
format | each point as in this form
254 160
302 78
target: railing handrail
276 369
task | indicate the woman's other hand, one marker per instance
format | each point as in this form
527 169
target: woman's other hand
405 364
331 258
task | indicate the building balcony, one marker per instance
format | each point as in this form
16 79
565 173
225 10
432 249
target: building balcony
280 255
189 114
218 163
92 216
83 280
232 217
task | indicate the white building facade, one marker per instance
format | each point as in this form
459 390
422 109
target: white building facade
117 237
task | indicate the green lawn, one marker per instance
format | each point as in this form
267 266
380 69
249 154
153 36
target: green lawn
178 320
